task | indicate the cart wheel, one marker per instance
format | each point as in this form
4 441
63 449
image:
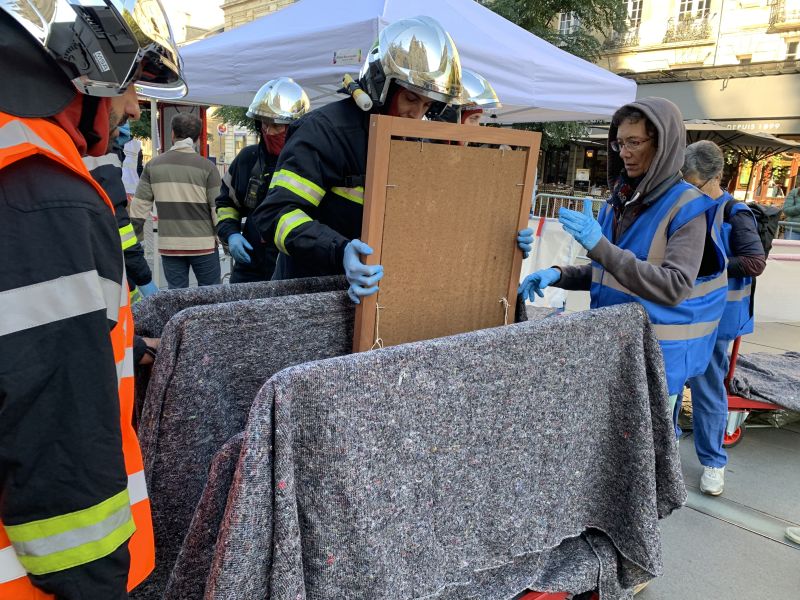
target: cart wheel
729 441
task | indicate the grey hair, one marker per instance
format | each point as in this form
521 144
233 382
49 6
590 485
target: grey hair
703 159
186 125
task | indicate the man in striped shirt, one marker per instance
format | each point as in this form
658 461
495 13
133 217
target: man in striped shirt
183 185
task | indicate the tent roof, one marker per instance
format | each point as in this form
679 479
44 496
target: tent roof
535 80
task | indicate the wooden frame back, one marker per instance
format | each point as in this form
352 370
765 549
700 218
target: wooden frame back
383 130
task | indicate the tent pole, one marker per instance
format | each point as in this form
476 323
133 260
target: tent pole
154 144
154 138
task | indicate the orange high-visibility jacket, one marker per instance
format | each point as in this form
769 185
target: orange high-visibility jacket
42 547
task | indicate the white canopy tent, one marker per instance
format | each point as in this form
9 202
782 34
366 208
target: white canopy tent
317 41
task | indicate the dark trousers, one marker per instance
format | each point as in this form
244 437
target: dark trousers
244 273
205 266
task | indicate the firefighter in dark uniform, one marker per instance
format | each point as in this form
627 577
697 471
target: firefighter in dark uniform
314 206
278 103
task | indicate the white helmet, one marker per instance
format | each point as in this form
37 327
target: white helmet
281 100
104 46
418 54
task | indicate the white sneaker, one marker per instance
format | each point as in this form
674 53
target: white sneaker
712 481
793 533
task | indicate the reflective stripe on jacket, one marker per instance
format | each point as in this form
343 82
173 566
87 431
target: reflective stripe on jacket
686 332
76 538
738 318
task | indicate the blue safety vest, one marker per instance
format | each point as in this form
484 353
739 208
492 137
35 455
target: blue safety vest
686 332
737 319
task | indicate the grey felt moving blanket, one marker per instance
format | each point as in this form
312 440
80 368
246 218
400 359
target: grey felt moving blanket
188 578
769 378
213 360
152 313
451 468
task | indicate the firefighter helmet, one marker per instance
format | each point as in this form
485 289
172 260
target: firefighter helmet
280 100
418 54
478 92
104 46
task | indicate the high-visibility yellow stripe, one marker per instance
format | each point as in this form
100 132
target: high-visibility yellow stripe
128 236
226 212
286 224
305 188
355 194
80 555
62 523
75 538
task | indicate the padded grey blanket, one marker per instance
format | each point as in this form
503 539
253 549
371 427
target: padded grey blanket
453 467
188 578
152 313
769 377
213 360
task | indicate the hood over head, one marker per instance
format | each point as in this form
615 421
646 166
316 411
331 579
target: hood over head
86 120
670 150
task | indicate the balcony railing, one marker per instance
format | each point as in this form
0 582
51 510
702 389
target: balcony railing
688 29
784 15
623 39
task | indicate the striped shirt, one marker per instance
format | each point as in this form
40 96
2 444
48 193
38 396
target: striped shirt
184 186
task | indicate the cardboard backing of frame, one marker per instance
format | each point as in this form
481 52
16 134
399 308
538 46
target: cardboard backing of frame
448 240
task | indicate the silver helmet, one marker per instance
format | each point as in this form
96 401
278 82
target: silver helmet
104 46
282 100
478 92
418 54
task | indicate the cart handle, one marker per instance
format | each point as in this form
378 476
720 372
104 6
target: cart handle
734 357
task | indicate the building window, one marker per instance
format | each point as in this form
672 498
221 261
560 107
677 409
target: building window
568 23
634 12
694 9
745 60
791 51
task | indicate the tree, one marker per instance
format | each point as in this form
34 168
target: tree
583 35
589 23
141 128
235 115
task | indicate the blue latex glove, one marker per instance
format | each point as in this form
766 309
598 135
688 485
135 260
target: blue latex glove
525 241
148 289
238 247
363 278
581 225
124 135
536 282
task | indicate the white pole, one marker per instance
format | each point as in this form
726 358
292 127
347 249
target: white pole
155 144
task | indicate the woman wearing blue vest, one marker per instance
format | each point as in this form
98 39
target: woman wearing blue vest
703 168
648 242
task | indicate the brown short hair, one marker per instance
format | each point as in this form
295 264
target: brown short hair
185 125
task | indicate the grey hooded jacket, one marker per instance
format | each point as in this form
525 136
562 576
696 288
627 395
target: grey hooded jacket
670 282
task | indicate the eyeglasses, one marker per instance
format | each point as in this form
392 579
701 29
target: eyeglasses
630 145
